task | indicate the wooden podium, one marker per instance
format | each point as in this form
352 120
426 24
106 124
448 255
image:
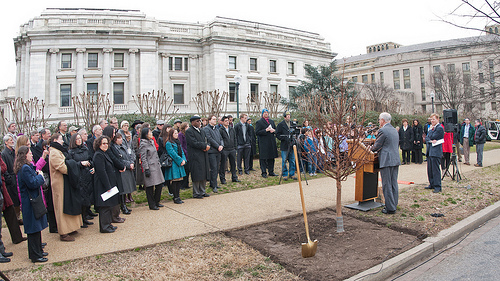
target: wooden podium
366 188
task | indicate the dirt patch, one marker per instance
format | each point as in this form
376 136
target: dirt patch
339 256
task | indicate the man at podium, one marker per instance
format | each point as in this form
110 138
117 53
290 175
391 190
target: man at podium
386 145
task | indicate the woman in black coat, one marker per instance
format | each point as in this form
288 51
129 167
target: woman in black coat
104 181
79 152
406 141
127 177
417 142
113 154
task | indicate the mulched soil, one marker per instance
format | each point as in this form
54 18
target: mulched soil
339 255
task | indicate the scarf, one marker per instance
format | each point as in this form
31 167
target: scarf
59 147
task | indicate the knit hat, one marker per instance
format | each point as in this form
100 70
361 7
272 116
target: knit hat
264 110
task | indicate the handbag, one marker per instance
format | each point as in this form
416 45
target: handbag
166 161
37 205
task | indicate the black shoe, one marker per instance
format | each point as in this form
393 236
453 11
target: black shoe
45 254
206 195
247 173
252 169
90 213
236 180
215 190
113 227
273 175
159 205
87 222
40 260
89 217
385 211
428 187
84 226
44 244
178 200
223 182
241 173
198 197
264 176
154 208
107 230
436 191
7 254
4 259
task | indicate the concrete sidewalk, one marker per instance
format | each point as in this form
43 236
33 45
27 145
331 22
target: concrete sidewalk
216 213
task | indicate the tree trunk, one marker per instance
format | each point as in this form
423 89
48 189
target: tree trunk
340 219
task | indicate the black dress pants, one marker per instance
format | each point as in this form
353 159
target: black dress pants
105 217
9 215
153 194
267 165
244 153
214 161
35 245
231 155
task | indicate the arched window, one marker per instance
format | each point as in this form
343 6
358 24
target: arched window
496 30
491 30
378 48
386 46
382 47
370 49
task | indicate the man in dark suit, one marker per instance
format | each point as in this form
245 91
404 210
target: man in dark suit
386 145
265 130
244 144
479 140
228 152
214 139
434 140
197 147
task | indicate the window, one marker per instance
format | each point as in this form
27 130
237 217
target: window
482 91
66 61
479 64
355 79
364 79
186 64
65 92
178 64
291 89
272 66
481 78
436 68
382 77
273 89
422 84
119 60
424 108
491 66
92 60
397 82
119 92
493 106
93 90
291 68
232 62
253 64
483 107
178 93
254 92
466 67
373 77
232 91
451 68
170 63
406 78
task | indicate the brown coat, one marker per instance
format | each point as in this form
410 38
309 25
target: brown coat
65 223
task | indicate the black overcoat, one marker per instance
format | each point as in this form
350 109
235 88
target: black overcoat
266 140
104 179
198 159
406 138
86 182
72 196
417 136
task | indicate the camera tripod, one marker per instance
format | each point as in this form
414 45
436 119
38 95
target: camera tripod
455 175
293 141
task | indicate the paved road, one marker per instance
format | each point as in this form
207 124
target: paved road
474 257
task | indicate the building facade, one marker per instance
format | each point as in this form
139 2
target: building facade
411 72
64 52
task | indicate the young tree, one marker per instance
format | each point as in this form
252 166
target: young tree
332 117
28 114
156 104
90 108
211 102
379 95
472 13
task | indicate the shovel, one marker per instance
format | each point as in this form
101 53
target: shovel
309 248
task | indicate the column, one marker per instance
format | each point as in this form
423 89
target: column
132 77
80 63
194 88
106 70
25 93
164 77
18 73
53 91
37 74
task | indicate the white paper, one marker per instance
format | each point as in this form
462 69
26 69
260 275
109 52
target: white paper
438 142
110 193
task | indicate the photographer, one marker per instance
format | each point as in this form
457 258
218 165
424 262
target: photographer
284 132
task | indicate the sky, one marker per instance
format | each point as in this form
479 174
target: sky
349 26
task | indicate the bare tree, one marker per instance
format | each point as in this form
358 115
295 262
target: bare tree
254 103
331 117
380 96
90 108
270 101
469 14
156 104
211 102
29 115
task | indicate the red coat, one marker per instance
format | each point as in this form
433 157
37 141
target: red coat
7 201
448 142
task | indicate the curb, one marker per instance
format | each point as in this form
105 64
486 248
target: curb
428 247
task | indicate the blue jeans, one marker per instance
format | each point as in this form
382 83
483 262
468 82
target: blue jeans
291 160
311 157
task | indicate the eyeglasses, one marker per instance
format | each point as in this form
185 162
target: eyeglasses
105 143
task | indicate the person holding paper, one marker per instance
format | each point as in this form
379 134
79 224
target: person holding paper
265 129
434 140
105 184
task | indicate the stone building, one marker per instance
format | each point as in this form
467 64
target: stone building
64 52
411 70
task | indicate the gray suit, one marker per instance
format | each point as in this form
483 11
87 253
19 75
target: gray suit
387 147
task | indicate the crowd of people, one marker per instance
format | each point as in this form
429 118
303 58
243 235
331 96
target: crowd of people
70 170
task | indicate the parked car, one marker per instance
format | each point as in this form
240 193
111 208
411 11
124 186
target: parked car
493 129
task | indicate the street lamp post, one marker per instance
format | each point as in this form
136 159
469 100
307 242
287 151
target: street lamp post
432 95
237 81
